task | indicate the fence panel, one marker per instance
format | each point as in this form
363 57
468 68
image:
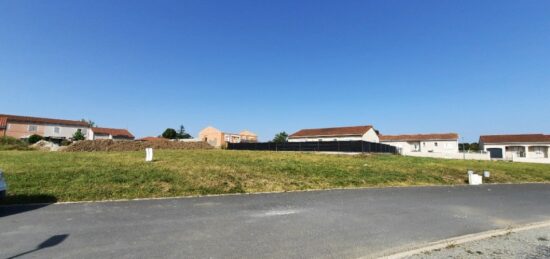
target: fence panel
327 146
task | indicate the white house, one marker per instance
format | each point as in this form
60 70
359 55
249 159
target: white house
521 148
108 133
365 133
426 143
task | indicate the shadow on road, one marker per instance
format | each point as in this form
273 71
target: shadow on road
14 204
52 241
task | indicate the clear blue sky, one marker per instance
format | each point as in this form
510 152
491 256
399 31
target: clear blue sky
472 67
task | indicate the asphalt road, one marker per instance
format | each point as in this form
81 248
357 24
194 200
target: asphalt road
319 224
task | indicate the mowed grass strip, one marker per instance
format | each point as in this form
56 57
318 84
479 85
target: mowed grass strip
35 176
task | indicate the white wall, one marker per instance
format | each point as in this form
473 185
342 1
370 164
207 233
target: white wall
369 136
64 131
511 155
432 146
467 156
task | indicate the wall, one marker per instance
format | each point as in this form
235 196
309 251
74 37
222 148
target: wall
98 136
510 155
64 131
467 156
369 136
443 146
21 130
213 136
355 138
531 160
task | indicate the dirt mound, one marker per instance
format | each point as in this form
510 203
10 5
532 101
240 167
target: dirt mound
111 145
45 146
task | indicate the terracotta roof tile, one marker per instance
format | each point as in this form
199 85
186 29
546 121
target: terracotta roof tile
114 132
514 138
37 120
419 137
325 132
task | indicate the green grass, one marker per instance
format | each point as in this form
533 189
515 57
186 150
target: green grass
62 176
9 143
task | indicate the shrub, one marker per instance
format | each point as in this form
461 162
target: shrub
78 135
9 143
35 138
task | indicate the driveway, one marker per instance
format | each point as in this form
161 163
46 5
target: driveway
317 224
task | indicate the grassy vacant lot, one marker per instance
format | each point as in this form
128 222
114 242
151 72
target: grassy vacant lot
35 176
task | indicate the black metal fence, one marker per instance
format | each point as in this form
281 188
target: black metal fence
333 146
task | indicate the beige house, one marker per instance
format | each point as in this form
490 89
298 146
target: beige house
354 133
519 148
218 138
22 127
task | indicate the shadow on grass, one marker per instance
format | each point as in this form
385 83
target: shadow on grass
19 203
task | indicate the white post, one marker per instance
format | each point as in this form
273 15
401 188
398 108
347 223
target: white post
148 154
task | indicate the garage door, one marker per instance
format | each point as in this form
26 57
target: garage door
495 152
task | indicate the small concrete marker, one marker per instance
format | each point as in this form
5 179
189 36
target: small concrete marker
148 154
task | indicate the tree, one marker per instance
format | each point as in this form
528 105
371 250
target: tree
170 133
78 135
34 138
182 134
474 146
280 137
90 122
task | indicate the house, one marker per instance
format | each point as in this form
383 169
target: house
23 127
523 147
218 138
109 133
434 143
355 133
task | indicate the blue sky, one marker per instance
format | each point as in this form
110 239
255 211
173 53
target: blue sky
472 67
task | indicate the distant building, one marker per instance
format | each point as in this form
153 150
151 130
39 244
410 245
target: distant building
22 127
218 138
521 148
354 133
108 133
433 143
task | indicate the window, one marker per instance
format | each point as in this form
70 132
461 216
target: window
33 128
435 144
56 130
424 143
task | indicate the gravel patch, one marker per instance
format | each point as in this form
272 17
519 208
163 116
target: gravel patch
534 243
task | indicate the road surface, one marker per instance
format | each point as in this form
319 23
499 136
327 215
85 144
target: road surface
317 224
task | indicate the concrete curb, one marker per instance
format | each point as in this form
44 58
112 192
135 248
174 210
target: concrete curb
274 192
465 239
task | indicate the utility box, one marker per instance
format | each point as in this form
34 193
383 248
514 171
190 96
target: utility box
474 179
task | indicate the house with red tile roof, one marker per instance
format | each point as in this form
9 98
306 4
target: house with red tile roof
518 147
353 133
109 133
431 143
22 127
